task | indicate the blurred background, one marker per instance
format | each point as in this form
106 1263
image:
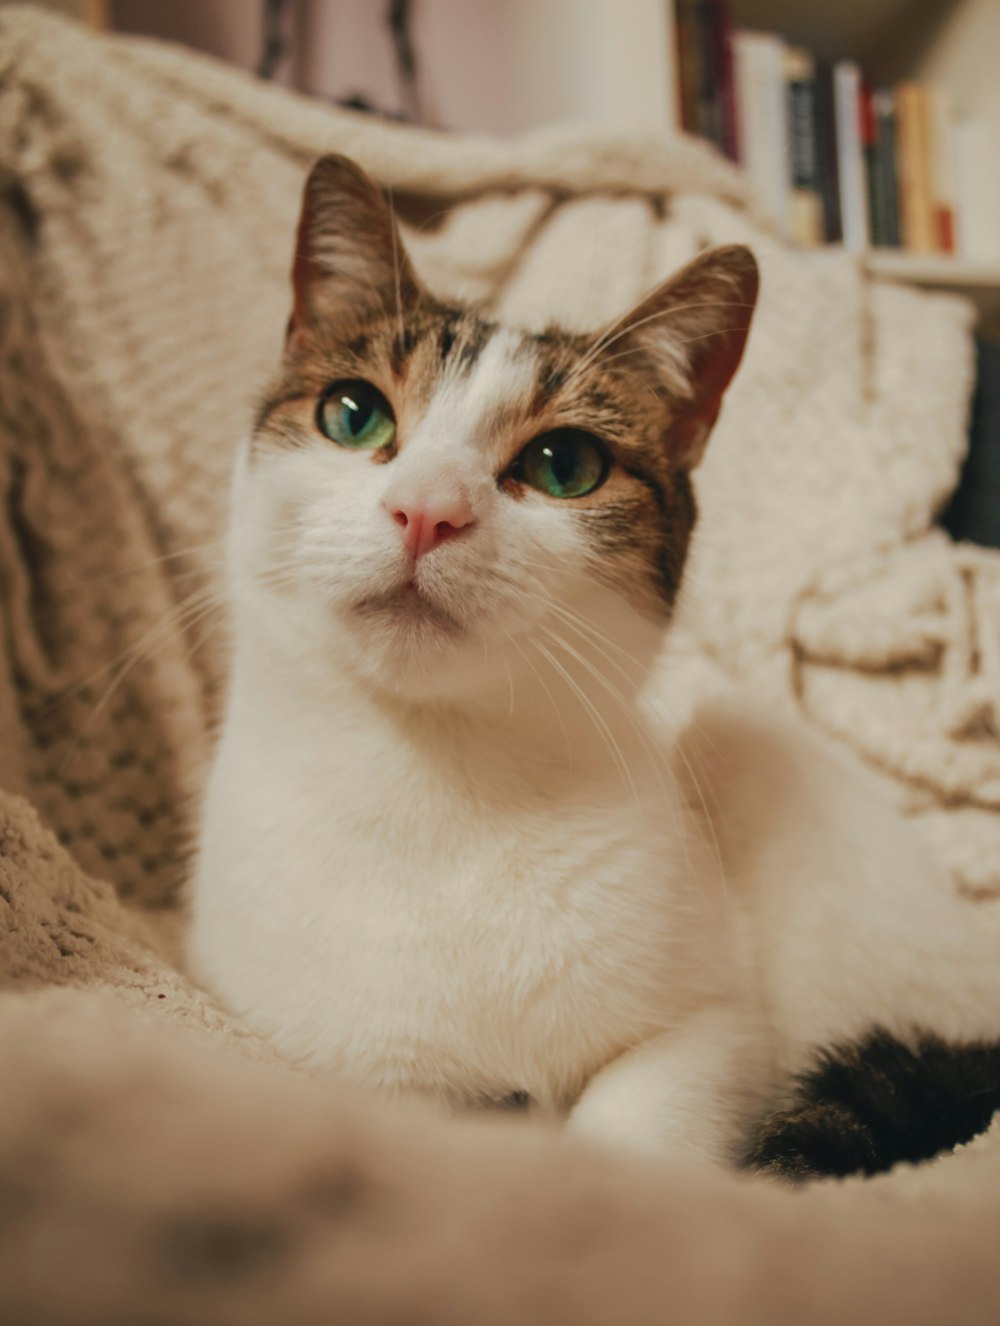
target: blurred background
874 126
789 90
501 66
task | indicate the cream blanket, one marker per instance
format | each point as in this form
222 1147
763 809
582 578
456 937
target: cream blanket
149 1170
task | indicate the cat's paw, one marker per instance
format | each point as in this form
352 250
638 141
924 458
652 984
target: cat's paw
601 1117
622 1119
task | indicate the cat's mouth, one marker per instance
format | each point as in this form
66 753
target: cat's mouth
407 603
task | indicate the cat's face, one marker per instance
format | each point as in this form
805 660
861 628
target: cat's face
427 493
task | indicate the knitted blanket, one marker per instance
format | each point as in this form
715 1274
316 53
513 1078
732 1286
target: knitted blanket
157 1162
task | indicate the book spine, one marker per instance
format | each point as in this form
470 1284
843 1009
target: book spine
723 52
942 151
884 104
718 85
873 178
781 152
978 192
709 116
688 66
914 169
805 209
925 159
826 153
753 56
850 165
741 99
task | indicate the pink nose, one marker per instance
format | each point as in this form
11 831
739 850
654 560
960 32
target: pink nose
428 523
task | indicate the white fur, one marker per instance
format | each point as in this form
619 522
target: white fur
432 866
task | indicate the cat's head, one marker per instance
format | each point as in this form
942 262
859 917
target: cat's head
427 492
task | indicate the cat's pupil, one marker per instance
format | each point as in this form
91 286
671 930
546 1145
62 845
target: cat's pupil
358 415
564 461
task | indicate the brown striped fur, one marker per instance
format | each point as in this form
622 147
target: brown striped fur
651 394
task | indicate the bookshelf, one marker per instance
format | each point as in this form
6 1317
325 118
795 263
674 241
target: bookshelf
933 270
882 35
945 47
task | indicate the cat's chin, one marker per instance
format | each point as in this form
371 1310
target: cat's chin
410 646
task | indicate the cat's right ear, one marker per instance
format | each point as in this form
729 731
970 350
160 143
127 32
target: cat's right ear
692 330
349 261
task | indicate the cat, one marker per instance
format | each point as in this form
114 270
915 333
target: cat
452 848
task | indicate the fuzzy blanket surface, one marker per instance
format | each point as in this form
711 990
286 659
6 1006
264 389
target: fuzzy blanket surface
157 1162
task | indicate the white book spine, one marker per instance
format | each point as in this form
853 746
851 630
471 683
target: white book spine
781 148
850 161
977 189
760 99
749 110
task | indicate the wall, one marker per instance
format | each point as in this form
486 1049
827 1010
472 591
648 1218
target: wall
964 57
489 66
230 29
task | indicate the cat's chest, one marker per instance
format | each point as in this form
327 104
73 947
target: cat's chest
489 947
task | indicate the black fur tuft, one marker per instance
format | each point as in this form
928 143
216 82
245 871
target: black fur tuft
869 1105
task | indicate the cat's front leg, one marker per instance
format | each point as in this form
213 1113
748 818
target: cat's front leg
696 1090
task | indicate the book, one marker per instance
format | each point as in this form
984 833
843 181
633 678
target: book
826 152
977 190
759 82
913 165
709 105
831 159
942 130
884 110
850 162
688 65
873 180
721 34
805 199
705 74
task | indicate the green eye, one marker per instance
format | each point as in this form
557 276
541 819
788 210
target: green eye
564 463
356 415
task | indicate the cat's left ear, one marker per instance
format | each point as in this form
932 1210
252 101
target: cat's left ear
692 330
349 261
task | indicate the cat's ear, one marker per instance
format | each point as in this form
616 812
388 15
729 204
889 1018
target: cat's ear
692 329
349 259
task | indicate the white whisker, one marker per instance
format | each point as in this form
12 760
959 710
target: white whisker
397 276
616 331
599 722
551 698
185 616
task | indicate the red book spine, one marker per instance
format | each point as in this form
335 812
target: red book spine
946 229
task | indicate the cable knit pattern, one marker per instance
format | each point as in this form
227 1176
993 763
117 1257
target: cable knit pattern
147 204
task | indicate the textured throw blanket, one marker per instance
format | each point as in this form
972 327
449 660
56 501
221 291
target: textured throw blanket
157 1162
